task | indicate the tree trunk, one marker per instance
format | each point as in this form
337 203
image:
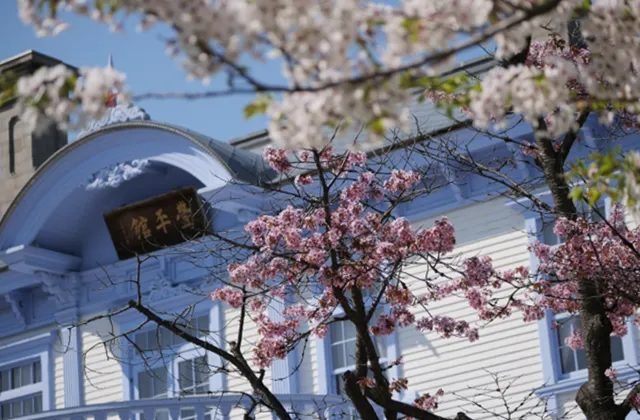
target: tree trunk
595 397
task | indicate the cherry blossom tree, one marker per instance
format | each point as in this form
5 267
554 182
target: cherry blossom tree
352 64
333 250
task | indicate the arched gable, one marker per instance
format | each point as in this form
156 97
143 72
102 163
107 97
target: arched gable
210 164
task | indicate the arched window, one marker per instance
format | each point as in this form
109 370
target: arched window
12 144
45 141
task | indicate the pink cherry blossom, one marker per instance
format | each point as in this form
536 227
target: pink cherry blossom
278 159
611 373
233 297
428 402
401 181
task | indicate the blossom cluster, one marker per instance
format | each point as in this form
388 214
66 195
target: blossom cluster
346 61
336 248
603 252
52 93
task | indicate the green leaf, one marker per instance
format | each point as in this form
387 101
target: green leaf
377 126
259 106
594 196
576 193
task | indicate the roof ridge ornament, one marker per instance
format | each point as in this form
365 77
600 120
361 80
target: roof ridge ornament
115 115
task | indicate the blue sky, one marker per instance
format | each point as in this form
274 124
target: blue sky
142 57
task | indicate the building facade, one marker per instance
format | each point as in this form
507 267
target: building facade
61 354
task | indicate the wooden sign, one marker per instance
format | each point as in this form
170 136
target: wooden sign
156 223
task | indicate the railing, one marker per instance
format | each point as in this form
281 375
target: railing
215 407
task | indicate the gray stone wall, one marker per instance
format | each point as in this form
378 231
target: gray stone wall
11 184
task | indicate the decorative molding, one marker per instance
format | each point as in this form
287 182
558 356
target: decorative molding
118 114
29 259
114 175
161 289
17 300
63 289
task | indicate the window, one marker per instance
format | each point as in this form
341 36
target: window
193 376
343 352
160 338
19 378
193 379
21 407
575 360
152 383
179 370
12 144
176 370
343 349
550 238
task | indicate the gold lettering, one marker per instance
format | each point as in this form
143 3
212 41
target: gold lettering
185 217
140 227
162 220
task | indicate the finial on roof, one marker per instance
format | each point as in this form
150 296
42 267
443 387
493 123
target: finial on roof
112 99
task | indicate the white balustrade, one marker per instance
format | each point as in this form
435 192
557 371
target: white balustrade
214 407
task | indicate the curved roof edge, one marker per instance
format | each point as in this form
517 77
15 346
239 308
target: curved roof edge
243 165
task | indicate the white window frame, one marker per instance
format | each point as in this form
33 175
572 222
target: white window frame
176 354
32 349
579 373
335 372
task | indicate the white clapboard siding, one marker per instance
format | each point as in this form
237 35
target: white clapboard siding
567 406
508 348
58 372
102 373
236 383
307 370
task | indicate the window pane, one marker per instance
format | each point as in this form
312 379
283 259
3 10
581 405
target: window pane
595 217
202 374
381 344
185 370
145 387
15 378
141 341
160 382
5 380
27 375
162 415
582 359
37 372
337 356
564 331
349 330
336 332
350 352
548 235
165 338
617 352
28 406
16 409
567 360
152 340
6 411
203 324
187 414
37 403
